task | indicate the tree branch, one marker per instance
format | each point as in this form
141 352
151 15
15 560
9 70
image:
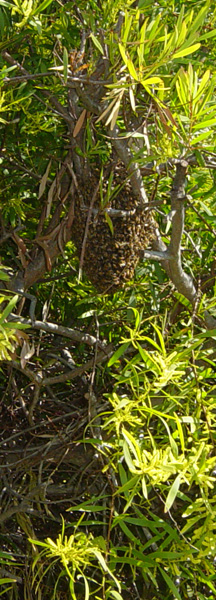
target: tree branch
181 280
66 332
171 255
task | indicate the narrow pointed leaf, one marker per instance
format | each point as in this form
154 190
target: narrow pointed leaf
42 7
96 43
186 51
172 493
170 584
8 309
65 64
117 354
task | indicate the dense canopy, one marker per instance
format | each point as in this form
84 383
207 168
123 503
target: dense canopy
108 318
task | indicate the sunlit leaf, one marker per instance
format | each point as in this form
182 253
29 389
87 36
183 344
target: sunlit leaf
186 51
121 350
151 80
206 123
172 493
115 595
144 488
96 43
65 64
180 431
42 7
8 309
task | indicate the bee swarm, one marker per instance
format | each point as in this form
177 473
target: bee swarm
111 258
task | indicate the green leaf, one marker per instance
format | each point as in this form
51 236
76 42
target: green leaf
128 458
170 584
122 474
123 53
208 582
144 488
109 222
151 80
208 35
132 70
65 64
186 51
4 276
42 7
199 19
203 83
130 535
115 595
14 325
161 339
207 123
180 432
117 354
7 580
8 309
96 43
132 443
127 26
6 4
201 137
172 493
130 484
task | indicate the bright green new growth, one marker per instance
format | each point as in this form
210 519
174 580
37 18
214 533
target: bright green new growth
75 553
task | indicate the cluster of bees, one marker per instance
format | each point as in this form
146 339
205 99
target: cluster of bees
110 257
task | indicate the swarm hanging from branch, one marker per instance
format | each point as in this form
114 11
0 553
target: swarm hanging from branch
112 240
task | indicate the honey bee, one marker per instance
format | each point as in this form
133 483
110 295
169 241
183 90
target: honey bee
110 259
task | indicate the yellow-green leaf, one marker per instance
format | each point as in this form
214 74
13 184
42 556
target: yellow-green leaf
172 493
96 43
186 51
132 70
8 309
207 123
123 53
65 64
151 80
118 353
109 222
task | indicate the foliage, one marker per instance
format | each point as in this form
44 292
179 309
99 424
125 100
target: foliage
8 332
75 554
89 85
